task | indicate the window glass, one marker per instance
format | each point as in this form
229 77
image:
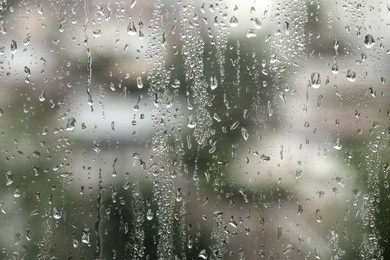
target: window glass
194 129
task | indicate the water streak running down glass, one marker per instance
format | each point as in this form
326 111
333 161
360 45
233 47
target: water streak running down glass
192 129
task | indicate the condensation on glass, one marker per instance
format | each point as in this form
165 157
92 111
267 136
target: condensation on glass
194 129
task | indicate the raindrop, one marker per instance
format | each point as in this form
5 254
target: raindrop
149 214
42 96
256 22
233 222
85 237
351 76
269 107
244 133
14 47
203 254
189 243
70 124
315 80
318 216
369 41
337 144
9 178
131 30
213 82
57 213
17 192
176 83
191 122
139 82
97 33
133 2
335 69
250 33
27 71
233 21
279 232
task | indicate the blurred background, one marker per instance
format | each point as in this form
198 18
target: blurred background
194 129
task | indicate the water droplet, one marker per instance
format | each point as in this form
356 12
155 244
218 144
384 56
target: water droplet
256 22
133 2
315 80
269 107
57 213
17 192
70 124
337 144
14 47
233 21
213 82
369 41
85 237
203 254
351 76
139 82
9 178
97 33
191 122
233 222
27 71
42 96
131 30
250 33
149 214
279 232
335 69
244 133
318 216
176 83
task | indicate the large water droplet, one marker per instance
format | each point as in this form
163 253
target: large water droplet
315 80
